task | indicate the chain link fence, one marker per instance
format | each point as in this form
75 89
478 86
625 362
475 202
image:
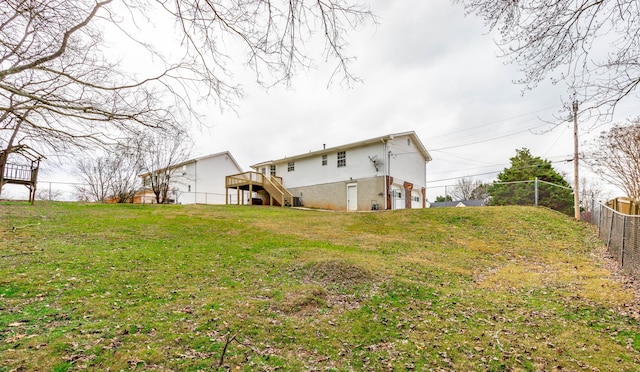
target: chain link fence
621 234
532 192
68 191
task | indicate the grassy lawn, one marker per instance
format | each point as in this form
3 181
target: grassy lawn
146 287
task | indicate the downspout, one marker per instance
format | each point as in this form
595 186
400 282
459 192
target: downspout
391 197
424 195
195 183
384 174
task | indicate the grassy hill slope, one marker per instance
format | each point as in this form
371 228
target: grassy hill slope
257 288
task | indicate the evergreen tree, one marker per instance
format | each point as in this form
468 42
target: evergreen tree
441 198
554 192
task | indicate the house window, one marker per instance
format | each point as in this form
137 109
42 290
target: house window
264 171
189 188
342 159
408 142
397 194
272 170
324 159
416 199
291 166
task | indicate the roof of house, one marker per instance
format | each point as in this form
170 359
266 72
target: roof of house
227 153
412 134
194 160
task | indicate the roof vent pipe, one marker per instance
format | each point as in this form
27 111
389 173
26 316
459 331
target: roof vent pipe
324 146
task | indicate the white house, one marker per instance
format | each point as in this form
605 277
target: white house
387 172
200 180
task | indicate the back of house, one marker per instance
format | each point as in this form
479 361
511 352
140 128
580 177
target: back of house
387 172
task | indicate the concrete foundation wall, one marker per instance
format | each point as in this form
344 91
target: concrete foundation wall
334 195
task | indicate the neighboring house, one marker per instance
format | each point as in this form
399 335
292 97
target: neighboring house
387 172
196 181
458 204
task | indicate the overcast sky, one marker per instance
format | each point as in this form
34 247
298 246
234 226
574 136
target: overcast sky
426 67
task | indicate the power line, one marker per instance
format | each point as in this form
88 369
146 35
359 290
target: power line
489 139
493 172
494 122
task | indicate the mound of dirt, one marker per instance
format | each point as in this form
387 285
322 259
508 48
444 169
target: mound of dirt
337 273
303 300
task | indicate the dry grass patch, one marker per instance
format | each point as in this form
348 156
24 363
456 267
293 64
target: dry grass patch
513 276
584 280
429 260
478 245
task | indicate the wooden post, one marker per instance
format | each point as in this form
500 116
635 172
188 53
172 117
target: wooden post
576 178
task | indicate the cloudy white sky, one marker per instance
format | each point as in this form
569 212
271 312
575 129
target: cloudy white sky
425 67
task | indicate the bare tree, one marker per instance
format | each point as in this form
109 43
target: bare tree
591 193
462 189
111 177
58 89
108 177
465 189
49 195
160 153
616 157
592 45
481 192
95 176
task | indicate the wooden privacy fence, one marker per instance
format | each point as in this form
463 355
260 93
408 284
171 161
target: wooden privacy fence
625 206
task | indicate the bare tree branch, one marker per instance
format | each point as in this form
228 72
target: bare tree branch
615 156
591 45
59 89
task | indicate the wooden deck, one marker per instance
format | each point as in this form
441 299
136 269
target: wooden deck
270 186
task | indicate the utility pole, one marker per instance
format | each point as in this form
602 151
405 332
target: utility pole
576 179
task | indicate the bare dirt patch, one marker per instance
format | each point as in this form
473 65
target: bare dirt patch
326 284
337 273
303 300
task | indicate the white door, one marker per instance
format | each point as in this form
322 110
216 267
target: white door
352 197
397 197
416 200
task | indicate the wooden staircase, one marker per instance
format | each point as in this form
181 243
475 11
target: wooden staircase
254 182
279 193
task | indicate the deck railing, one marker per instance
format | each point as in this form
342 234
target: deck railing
18 172
272 184
285 195
244 178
